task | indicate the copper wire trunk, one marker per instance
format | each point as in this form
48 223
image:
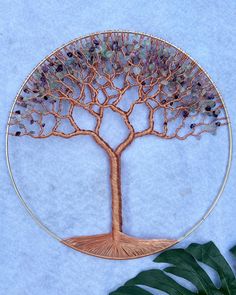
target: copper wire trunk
115 178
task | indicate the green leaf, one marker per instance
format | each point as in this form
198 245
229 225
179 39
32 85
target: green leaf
187 268
210 255
157 279
185 264
130 290
233 250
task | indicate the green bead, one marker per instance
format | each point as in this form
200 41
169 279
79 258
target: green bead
136 70
126 69
109 54
151 67
164 82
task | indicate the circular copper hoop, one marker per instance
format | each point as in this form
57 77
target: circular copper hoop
149 243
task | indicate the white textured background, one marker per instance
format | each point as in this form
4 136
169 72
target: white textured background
167 185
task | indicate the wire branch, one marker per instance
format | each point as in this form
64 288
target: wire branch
180 98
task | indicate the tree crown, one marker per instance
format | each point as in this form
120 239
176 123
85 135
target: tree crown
120 72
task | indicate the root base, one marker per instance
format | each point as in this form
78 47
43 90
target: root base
125 247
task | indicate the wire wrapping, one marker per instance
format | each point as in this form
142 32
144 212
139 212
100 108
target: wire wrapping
175 104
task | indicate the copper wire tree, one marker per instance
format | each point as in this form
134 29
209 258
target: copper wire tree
95 73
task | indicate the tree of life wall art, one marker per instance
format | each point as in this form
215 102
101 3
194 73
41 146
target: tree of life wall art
154 119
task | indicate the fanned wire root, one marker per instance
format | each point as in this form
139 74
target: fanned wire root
125 247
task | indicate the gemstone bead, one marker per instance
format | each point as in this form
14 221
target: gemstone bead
91 49
185 114
136 70
59 68
80 55
96 42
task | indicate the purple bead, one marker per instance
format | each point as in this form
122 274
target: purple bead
96 42
211 96
44 68
185 114
59 68
43 78
80 55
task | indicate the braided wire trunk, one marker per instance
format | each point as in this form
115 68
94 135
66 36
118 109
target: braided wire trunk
116 244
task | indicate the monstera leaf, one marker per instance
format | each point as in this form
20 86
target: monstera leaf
233 250
186 264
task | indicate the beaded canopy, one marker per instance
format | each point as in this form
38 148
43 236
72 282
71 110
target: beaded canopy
117 71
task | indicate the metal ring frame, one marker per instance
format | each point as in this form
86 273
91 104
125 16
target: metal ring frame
228 166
